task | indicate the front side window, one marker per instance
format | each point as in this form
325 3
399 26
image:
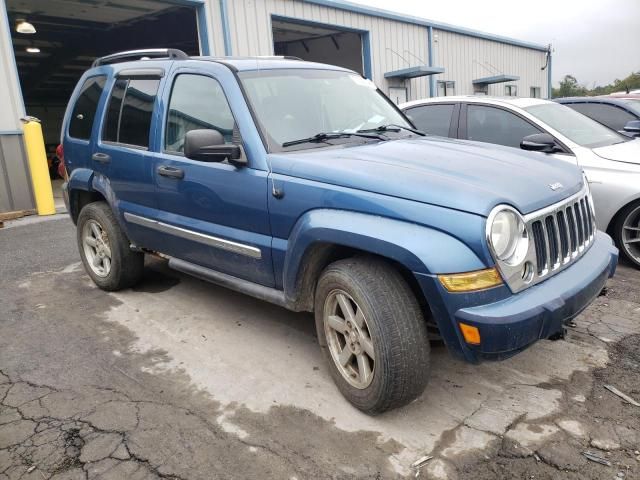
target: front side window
197 102
130 110
575 126
432 119
84 111
446 88
608 115
293 104
495 125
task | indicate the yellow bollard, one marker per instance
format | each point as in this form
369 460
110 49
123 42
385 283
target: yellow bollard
34 143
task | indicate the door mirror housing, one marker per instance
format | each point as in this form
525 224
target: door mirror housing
539 142
208 145
633 127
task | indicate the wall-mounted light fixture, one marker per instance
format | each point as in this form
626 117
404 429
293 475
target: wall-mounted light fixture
22 26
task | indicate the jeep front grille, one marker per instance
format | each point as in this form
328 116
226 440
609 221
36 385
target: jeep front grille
558 236
562 233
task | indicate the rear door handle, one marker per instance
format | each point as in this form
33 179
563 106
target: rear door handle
101 158
171 172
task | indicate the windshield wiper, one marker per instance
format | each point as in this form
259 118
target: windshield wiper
321 137
392 127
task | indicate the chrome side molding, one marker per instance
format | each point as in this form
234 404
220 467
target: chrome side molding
216 242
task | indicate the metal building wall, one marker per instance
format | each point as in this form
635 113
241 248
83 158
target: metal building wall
250 34
15 184
466 58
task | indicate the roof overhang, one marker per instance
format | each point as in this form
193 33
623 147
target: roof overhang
496 79
413 72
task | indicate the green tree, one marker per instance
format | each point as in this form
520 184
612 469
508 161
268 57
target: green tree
569 87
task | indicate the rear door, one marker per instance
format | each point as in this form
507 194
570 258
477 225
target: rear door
435 118
122 149
212 214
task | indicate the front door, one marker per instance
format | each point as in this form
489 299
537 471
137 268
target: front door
211 214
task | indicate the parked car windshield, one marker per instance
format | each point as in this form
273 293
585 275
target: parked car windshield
575 126
294 104
632 104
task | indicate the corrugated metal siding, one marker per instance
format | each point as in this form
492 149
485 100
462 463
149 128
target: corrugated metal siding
251 34
467 58
15 185
214 30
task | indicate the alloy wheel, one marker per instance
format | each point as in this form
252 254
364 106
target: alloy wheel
349 339
631 234
97 249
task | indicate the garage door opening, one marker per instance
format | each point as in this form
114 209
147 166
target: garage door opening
319 43
70 34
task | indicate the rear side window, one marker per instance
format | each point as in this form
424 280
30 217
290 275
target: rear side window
84 111
433 119
608 115
197 102
494 125
130 110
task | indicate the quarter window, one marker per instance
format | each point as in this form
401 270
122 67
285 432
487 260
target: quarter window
433 119
130 110
494 125
197 102
84 111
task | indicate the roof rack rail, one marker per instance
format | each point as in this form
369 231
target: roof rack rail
171 53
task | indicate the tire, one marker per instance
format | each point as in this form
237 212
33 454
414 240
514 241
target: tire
627 227
125 267
393 324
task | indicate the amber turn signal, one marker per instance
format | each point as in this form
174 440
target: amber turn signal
471 281
470 333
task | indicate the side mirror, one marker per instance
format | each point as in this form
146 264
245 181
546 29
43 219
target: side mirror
539 142
208 146
633 127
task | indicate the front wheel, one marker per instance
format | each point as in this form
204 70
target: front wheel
627 233
373 334
105 250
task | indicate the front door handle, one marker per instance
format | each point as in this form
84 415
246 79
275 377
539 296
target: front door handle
101 158
171 172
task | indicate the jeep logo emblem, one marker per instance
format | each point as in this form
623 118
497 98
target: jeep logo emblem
555 186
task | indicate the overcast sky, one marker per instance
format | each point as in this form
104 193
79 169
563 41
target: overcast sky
597 41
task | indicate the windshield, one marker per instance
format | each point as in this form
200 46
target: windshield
575 126
632 104
294 104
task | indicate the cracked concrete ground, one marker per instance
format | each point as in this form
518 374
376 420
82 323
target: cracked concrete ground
181 379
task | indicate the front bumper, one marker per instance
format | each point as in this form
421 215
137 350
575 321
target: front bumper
512 323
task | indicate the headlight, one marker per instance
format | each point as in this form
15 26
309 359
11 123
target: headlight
508 236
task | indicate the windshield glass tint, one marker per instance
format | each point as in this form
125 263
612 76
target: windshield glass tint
298 103
575 126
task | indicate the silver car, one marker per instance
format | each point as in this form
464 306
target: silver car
611 161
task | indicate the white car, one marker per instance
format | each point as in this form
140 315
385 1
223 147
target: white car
610 160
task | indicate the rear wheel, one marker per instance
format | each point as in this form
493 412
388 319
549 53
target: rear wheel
627 233
105 250
373 334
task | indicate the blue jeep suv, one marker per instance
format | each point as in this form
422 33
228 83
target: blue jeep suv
303 185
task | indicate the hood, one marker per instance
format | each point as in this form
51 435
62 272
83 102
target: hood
627 152
467 176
